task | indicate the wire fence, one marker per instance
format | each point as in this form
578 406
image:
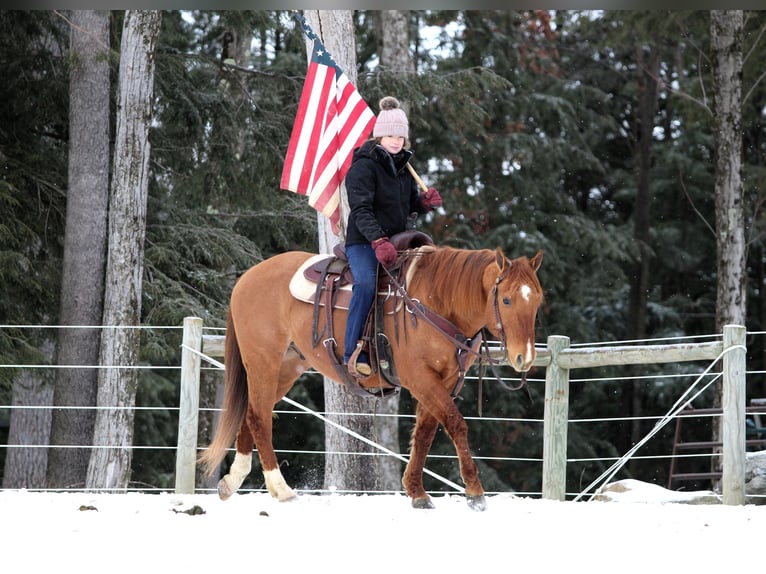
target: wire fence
498 461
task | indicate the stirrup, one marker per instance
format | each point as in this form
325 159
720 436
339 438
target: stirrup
360 370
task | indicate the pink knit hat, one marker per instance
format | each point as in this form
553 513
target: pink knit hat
392 121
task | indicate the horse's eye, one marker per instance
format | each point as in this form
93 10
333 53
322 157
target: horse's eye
506 301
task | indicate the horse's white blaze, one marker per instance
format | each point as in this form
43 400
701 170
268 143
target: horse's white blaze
526 290
276 485
530 348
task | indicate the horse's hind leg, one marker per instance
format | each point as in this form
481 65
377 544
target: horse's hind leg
260 427
253 426
259 420
256 430
240 468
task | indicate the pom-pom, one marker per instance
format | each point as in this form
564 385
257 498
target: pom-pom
389 103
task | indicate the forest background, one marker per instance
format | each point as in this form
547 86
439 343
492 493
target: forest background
588 135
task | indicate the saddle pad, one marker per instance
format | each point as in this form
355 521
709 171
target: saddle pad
305 290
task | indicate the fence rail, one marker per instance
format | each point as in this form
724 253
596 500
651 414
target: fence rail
558 359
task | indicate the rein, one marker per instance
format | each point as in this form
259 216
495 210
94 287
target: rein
438 322
450 331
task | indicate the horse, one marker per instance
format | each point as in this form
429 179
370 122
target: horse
269 344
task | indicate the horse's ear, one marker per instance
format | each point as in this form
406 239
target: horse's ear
501 260
537 260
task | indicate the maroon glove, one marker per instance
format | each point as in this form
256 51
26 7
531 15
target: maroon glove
431 198
384 251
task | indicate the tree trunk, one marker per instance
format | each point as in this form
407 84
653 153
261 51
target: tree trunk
109 466
393 47
342 472
394 41
82 285
726 44
26 467
648 65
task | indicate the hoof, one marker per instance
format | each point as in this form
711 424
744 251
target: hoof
224 491
288 497
476 502
424 502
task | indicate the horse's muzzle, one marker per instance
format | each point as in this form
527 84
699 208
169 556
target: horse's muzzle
522 362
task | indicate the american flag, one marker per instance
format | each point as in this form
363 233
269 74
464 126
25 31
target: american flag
332 120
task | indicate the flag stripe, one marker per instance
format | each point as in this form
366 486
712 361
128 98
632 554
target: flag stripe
331 121
320 101
307 130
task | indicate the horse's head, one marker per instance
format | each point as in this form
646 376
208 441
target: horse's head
515 296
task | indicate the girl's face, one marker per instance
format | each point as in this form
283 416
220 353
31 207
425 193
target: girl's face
392 144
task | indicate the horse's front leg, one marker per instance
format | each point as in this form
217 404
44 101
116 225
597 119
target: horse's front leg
420 443
435 405
457 429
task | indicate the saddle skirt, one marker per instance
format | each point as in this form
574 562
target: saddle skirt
303 284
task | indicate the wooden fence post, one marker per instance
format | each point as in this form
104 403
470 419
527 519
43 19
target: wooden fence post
733 403
555 421
188 412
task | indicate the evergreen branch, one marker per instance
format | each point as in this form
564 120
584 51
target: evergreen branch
82 30
229 65
755 237
662 84
755 44
701 55
750 91
694 207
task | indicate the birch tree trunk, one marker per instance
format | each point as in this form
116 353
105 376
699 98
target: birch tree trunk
726 29
394 50
342 471
110 461
82 284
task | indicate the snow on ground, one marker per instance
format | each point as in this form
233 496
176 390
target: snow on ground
161 533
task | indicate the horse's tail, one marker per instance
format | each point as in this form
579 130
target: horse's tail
234 403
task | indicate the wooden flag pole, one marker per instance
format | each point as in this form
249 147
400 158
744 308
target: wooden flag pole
416 177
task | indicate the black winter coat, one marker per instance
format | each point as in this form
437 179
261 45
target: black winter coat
381 194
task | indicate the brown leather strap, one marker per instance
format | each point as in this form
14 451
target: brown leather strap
438 322
329 299
351 384
462 361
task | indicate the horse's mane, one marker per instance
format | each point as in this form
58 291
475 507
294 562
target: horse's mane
450 276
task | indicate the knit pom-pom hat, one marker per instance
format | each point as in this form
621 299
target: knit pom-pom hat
392 121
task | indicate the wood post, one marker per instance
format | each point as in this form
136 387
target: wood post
188 412
555 422
733 423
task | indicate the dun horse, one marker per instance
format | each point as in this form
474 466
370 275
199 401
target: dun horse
269 344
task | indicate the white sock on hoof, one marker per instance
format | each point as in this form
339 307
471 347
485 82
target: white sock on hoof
239 470
277 486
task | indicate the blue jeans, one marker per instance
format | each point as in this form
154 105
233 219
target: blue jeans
364 267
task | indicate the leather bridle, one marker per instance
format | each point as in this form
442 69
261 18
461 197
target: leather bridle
449 330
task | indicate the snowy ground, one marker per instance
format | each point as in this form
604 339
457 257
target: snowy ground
121 533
